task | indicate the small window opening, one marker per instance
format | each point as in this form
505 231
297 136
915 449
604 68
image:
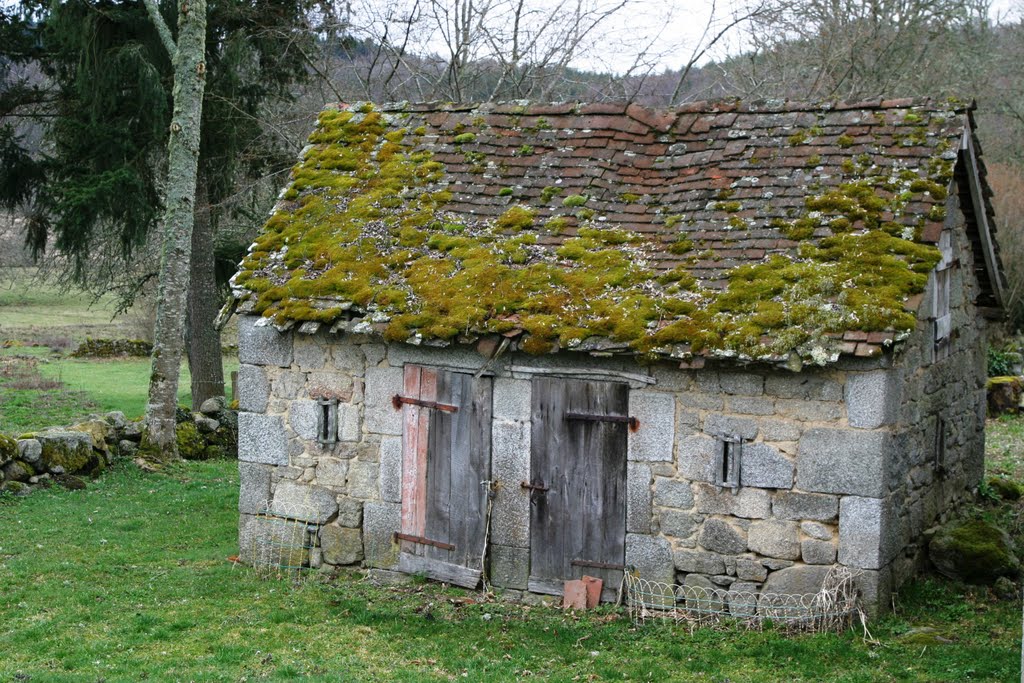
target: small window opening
727 465
327 421
940 447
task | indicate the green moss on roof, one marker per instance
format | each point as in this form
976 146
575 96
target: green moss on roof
549 192
366 224
574 200
516 218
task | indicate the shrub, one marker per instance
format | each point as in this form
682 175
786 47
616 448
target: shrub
1000 362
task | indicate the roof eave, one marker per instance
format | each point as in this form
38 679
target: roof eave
984 214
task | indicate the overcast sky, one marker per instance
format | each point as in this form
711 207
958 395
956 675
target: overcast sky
667 32
675 28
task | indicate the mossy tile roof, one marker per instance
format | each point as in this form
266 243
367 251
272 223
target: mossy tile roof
721 228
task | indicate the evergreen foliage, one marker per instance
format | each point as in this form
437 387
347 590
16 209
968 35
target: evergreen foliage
106 107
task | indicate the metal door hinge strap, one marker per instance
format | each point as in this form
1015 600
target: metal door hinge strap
535 487
598 565
634 423
423 541
398 400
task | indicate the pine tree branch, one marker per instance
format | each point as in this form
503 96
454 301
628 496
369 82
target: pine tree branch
161 27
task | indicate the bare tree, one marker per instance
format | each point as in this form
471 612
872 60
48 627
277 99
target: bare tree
845 49
471 49
476 50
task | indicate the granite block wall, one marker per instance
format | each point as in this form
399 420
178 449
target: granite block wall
838 464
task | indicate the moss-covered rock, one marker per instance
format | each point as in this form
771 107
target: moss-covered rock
1005 395
8 449
974 551
224 441
1005 589
18 470
191 444
109 348
70 450
927 635
98 430
16 488
1007 489
70 482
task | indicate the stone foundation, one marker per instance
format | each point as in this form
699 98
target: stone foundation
833 468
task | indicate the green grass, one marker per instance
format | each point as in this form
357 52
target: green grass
1005 446
120 384
34 395
38 392
34 312
31 309
128 580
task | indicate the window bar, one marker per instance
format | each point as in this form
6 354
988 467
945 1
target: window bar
327 422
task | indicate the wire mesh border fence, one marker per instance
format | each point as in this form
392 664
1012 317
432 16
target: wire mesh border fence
282 541
834 608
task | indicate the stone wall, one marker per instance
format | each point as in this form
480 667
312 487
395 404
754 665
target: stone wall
60 455
64 455
820 470
930 389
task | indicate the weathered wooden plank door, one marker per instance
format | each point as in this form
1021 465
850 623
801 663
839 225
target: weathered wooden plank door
446 444
578 480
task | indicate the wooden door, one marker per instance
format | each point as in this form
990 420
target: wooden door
446 443
578 480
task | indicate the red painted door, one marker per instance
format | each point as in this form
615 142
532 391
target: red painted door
446 445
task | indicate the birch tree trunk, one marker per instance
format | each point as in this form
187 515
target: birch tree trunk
204 354
188 56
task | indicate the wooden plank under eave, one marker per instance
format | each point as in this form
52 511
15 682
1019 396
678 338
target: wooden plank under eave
439 571
981 219
546 586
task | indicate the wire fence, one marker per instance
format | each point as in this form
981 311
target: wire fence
833 608
281 542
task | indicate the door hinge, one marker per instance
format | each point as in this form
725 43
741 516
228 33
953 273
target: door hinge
399 536
598 565
634 424
398 400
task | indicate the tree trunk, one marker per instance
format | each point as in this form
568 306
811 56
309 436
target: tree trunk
182 163
204 355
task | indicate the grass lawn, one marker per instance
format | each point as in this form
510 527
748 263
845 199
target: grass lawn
56 390
40 387
120 384
129 580
1005 446
30 309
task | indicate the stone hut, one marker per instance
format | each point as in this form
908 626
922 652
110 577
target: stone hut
727 344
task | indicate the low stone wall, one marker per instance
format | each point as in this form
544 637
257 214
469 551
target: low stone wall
66 455
109 348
